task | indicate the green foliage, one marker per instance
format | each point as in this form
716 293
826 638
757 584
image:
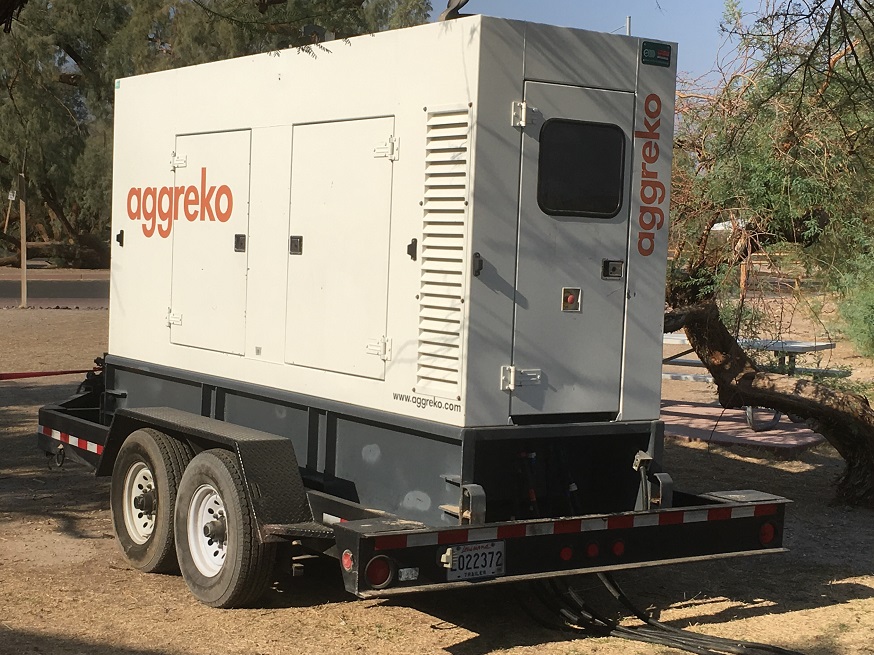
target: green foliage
781 150
859 387
857 311
61 61
743 320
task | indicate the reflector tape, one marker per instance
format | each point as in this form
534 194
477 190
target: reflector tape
569 526
76 442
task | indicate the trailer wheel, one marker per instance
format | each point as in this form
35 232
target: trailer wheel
145 478
221 558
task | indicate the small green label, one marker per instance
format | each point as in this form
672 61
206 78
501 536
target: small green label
117 84
656 54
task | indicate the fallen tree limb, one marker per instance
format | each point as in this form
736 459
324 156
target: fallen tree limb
846 420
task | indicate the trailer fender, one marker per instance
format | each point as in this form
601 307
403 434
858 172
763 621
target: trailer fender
268 462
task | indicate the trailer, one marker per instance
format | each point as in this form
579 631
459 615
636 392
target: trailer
396 300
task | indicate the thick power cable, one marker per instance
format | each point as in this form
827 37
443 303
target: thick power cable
728 645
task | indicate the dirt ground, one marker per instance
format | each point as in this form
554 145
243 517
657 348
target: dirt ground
64 587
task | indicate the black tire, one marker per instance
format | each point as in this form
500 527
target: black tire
235 569
151 455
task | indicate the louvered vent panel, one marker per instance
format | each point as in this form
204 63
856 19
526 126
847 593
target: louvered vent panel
443 258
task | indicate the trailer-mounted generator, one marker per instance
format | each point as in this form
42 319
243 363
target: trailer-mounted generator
396 300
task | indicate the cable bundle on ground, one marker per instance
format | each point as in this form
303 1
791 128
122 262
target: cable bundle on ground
566 608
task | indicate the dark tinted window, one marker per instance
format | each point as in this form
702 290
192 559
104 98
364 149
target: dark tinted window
581 168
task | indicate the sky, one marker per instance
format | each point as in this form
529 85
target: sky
693 24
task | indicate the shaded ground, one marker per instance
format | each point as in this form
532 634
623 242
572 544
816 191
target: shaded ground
65 589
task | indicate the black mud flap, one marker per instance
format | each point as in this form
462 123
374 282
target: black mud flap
268 461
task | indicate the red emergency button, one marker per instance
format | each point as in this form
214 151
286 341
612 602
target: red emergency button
570 299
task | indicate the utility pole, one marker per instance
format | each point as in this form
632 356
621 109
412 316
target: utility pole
22 209
12 194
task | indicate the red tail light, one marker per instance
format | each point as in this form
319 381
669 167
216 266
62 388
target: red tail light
347 561
767 533
379 572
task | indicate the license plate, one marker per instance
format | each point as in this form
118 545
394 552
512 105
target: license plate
475 561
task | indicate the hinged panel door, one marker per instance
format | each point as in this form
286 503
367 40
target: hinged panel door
338 247
210 226
573 234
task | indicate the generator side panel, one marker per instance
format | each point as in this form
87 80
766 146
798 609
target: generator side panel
648 238
550 330
339 210
495 205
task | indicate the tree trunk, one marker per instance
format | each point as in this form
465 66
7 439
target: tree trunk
846 420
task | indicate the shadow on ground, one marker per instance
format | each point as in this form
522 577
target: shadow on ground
19 642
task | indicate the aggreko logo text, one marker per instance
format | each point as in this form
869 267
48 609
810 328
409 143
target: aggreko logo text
652 190
158 208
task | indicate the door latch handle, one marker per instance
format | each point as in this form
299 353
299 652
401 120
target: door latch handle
239 243
413 249
478 264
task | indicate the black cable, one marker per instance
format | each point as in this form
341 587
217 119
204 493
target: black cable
636 634
731 645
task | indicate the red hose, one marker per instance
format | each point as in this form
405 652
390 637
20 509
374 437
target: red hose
43 374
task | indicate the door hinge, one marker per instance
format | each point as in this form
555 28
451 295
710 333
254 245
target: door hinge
524 114
178 161
512 377
173 319
379 348
390 149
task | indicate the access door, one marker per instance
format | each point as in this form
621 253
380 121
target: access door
573 233
210 209
338 246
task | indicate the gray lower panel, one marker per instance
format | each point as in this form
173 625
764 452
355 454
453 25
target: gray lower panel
410 468
391 468
398 472
155 391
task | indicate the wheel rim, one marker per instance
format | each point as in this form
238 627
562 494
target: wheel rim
139 485
207 530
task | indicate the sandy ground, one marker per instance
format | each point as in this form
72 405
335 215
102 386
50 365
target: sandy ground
64 587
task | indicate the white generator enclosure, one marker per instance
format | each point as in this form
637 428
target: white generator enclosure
463 223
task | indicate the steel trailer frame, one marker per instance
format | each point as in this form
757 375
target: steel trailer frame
310 505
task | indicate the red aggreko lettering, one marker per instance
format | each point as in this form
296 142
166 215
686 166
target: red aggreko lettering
653 192
158 208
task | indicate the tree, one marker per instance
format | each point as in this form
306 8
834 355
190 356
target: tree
9 10
780 153
56 88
